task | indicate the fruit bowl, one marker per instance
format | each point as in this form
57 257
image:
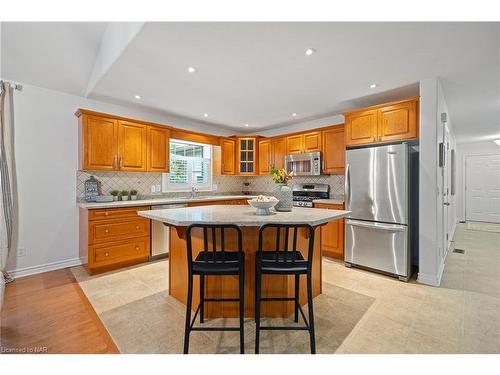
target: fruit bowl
263 204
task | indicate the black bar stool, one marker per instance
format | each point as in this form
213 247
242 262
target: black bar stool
285 261
214 262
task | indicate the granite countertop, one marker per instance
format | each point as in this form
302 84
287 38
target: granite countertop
241 216
157 201
329 201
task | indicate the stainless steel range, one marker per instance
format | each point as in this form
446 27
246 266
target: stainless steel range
304 194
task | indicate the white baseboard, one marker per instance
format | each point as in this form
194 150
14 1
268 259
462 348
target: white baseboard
21 272
433 280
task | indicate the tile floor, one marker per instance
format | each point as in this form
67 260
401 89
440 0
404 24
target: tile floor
358 312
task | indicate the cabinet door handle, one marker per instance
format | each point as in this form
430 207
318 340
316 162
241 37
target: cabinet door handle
121 162
106 254
136 227
106 230
137 247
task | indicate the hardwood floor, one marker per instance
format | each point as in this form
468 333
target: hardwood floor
49 313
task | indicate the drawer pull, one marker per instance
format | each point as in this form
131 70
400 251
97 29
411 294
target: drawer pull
137 248
137 227
106 254
106 213
106 230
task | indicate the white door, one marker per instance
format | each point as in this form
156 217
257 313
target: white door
482 188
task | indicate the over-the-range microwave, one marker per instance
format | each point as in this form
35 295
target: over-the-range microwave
308 164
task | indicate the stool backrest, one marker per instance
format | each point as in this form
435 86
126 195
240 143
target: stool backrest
217 236
282 243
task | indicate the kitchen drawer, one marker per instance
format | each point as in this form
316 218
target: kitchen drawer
111 213
113 230
119 252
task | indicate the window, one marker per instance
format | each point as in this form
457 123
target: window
190 166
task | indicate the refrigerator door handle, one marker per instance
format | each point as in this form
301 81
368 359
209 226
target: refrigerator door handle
347 187
390 227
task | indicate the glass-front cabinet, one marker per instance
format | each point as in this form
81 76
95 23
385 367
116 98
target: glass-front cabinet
247 155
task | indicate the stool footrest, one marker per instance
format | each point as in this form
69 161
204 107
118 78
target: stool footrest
285 328
278 299
221 299
215 329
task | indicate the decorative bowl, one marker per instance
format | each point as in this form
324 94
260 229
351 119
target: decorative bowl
263 206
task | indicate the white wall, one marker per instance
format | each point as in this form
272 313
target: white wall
432 253
303 125
464 150
46 144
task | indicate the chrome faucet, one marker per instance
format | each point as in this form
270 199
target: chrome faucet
194 191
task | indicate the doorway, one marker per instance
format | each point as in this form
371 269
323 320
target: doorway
482 188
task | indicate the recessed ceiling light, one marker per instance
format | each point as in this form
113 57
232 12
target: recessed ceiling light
373 85
192 69
246 125
497 141
310 51
294 114
205 115
138 97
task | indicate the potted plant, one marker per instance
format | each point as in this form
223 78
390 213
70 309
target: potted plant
115 194
283 192
124 195
133 195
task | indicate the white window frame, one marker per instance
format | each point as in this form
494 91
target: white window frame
168 186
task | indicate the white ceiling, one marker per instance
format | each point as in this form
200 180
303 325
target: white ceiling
257 73
55 55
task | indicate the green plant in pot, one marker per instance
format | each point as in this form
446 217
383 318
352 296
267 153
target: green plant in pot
282 192
115 194
124 195
133 195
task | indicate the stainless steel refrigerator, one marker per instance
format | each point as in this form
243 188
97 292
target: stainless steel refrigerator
381 190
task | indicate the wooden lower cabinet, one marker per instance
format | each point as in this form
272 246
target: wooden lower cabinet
113 237
332 234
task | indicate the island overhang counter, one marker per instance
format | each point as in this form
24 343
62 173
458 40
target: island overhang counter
227 286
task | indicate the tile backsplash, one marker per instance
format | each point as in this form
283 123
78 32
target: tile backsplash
142 181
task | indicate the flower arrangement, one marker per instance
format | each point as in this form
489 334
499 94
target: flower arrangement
280 176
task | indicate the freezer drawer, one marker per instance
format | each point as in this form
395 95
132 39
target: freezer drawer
379 246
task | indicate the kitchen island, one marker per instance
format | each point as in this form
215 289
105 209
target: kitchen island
249 222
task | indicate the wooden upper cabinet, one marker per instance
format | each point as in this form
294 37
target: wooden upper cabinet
311 142
247 155
265 156
228 150
294 144
98 143
112 143
398 122
303 142
391 122
158 150
278 151
361 128
132 146
333 150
